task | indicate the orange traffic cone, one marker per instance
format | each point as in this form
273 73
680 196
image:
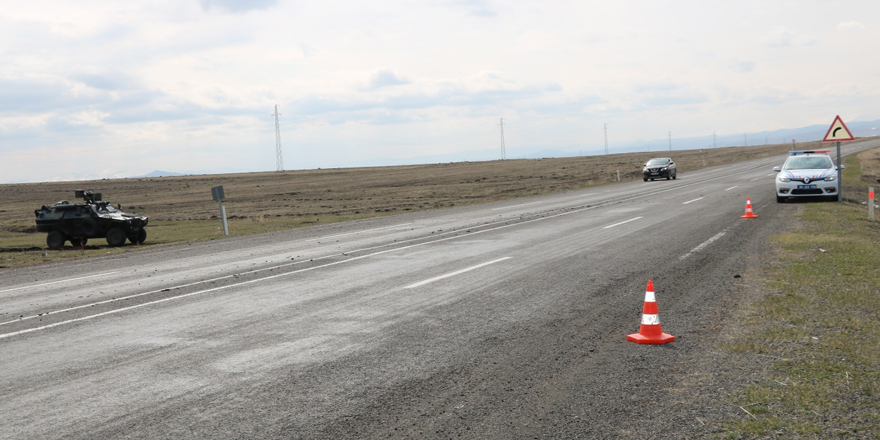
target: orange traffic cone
650 331
749 213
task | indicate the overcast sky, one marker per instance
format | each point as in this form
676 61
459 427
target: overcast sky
95 89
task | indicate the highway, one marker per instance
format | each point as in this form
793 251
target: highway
503 320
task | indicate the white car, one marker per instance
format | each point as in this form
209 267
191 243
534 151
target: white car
807 174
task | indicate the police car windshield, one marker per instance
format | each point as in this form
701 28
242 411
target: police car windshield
809 163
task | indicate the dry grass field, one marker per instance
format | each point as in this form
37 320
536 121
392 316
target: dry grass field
181 208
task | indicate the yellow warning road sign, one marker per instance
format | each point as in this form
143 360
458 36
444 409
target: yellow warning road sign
838 131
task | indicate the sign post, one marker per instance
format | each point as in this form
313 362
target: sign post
871 203
217 193
838 132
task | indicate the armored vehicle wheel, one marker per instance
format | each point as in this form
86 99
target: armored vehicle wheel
89 227
115 237
139 238
55 240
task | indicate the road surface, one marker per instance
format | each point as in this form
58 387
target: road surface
504 320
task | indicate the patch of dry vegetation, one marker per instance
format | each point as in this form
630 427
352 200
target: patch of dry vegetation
817 325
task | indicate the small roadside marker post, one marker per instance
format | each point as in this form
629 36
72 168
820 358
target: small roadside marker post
217 193
871 203
839 176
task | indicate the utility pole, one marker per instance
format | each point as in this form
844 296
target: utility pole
714 140
503 153
670 141
279 161
606 138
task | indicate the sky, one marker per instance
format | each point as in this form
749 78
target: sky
110 89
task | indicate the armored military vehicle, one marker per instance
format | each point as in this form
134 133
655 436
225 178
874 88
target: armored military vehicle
94 218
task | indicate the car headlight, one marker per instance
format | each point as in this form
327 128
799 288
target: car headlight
830 178
663 169
784 179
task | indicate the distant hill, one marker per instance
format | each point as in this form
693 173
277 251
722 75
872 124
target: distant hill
159 173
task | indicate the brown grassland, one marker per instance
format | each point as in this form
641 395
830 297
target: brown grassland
181 209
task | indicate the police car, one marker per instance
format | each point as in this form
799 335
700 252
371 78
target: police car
807 174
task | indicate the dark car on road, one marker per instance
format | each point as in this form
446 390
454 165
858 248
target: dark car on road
659 168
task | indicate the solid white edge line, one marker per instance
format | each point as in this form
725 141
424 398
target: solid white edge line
621 223
732 187
109 312
327 237
112 300
452 274
56 282
702 245
694 200
516 206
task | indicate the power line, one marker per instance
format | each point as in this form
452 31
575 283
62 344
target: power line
279 161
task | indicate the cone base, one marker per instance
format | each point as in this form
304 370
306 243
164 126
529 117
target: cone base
748 216
662 338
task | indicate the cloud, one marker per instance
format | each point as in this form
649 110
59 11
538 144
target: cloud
662 95
850 25
108 80
783 37
743 66
307 50
97 75
485 92
238 6
43 94
476 8
19 96
384 78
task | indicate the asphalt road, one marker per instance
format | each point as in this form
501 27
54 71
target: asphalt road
505 320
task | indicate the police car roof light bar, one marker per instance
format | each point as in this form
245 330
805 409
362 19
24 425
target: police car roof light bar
796 152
